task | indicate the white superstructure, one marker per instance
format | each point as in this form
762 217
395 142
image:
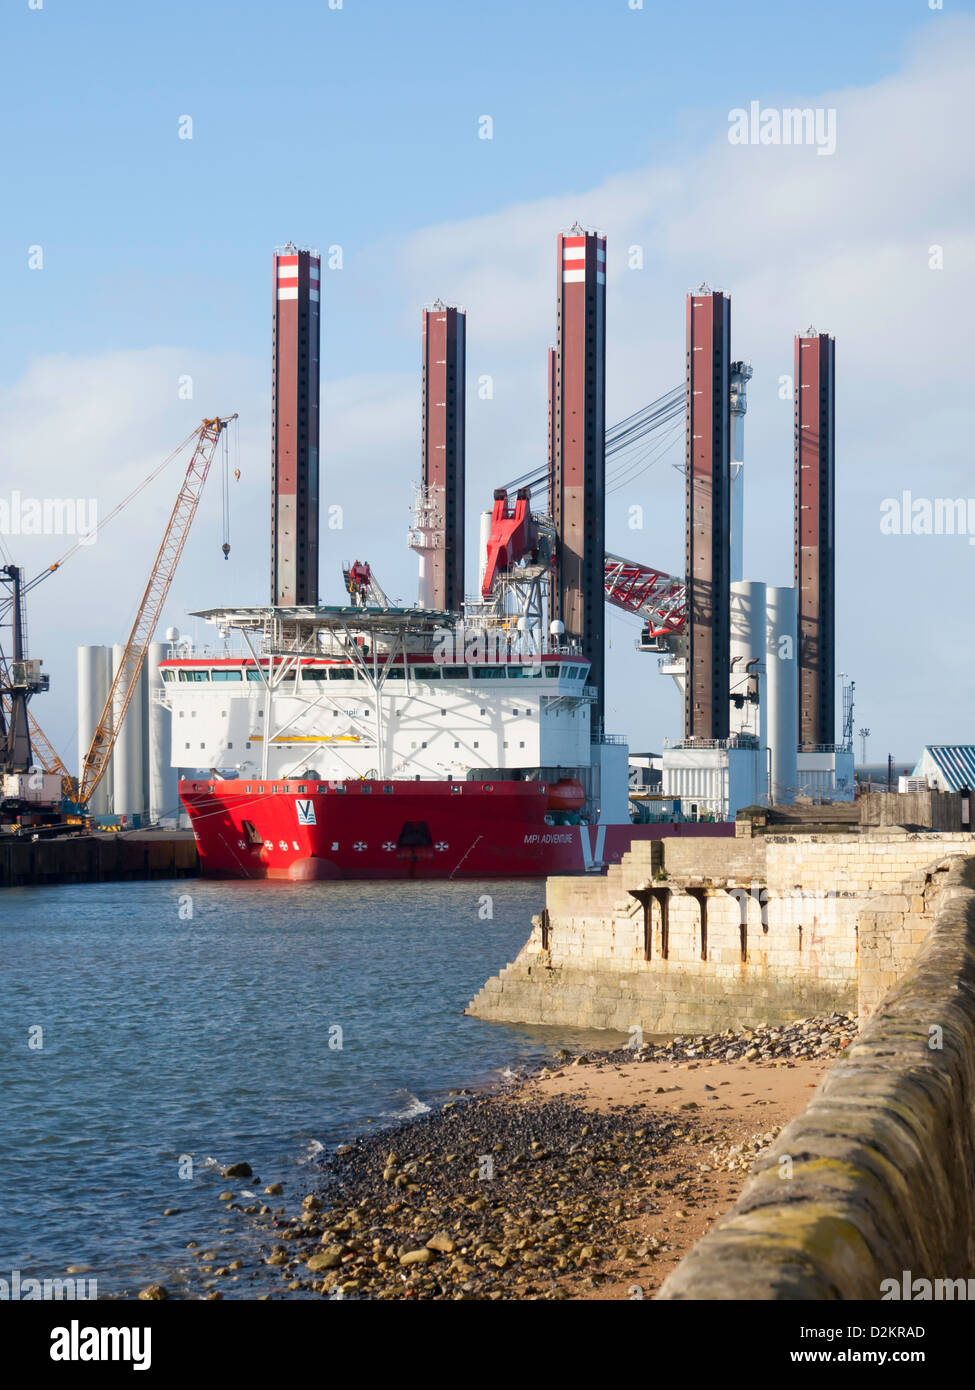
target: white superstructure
382 696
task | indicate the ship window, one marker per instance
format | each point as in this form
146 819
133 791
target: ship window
455 673
366 787
506 743
388 787
315 673
187 745
302 788
226 675
230 745
260 789
194 675
427 673
521 745
248 788
395 673
202 745
246 745
423 745
166 675
494 673
515 713
323 786
455 789
341 674
254 675
182 713
456 745
476 744
340 786
443 711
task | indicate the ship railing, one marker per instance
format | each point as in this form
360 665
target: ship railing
735 741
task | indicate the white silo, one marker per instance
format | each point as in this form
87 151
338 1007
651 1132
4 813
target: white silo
94 683
163 777
129 792
783 693
748 663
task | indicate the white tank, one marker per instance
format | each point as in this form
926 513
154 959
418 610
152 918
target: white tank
163 779
783 693
129 790
737 555
748 665
94 682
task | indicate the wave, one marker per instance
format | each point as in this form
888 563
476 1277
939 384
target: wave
414 1106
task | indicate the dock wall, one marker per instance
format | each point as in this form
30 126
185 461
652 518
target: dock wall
95 858
870 1193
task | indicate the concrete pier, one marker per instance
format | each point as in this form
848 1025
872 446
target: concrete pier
97 858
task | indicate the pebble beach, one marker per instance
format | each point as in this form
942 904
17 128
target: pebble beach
588 1177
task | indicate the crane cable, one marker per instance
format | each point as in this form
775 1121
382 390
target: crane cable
90 536
657 415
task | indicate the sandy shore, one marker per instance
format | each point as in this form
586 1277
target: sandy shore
729 1112
589 1179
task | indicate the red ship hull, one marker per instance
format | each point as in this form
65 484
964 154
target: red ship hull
421 829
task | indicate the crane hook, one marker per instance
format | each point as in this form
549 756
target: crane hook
226 550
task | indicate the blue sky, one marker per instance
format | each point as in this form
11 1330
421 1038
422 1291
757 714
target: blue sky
358 128
353 126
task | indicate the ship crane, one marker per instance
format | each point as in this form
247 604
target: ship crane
518 537
362 585
150 606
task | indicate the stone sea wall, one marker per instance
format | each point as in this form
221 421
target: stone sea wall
698 936
873 1187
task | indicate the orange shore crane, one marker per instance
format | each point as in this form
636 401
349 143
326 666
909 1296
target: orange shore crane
150 606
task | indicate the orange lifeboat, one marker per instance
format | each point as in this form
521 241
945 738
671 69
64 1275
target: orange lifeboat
567 794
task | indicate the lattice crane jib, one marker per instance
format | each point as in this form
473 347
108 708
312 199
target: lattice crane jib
150 607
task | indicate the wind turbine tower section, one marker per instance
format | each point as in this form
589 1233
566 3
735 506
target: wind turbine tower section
577 391
708 514
294 426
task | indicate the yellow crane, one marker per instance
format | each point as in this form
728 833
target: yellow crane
150 607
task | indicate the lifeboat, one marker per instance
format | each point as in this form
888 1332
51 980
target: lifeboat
567 794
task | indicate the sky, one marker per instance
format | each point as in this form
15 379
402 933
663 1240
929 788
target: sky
135 278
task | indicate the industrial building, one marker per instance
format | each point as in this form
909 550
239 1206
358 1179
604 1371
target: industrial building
946 767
